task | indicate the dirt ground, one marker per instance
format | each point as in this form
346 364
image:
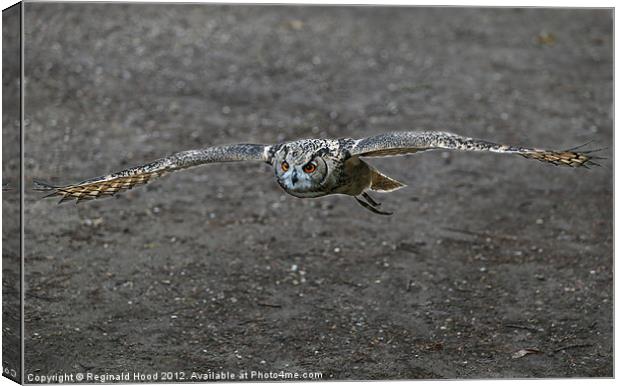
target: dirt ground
217 269
11 225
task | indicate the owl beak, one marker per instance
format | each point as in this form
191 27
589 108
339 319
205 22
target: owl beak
294 178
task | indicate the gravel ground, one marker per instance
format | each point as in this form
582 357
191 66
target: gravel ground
217 269
11 262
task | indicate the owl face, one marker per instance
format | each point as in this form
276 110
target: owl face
301 173
301 177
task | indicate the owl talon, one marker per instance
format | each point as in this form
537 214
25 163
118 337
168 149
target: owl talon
371 208
370 200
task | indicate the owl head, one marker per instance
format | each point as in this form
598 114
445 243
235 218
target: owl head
302 168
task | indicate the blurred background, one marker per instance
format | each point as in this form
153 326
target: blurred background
11 198
492 266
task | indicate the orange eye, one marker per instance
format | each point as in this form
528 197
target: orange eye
309 168
284 166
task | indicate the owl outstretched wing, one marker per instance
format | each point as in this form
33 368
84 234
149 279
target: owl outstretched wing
408 142
114 183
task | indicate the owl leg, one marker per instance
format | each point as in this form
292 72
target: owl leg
371 207
370 200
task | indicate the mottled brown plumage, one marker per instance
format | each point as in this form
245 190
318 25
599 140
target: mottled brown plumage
565 158
97 189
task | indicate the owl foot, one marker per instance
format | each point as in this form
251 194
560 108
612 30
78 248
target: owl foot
371 205
370 200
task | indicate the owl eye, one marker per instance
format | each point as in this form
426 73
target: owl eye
284 166
309 167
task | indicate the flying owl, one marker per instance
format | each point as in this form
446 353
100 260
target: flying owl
314 167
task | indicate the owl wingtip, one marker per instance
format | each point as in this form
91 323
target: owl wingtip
41 186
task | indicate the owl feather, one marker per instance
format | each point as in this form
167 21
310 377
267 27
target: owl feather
402 143
111 184
316 167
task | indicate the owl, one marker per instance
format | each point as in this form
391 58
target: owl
310 168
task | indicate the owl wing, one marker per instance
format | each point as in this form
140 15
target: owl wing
114 183
407 142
